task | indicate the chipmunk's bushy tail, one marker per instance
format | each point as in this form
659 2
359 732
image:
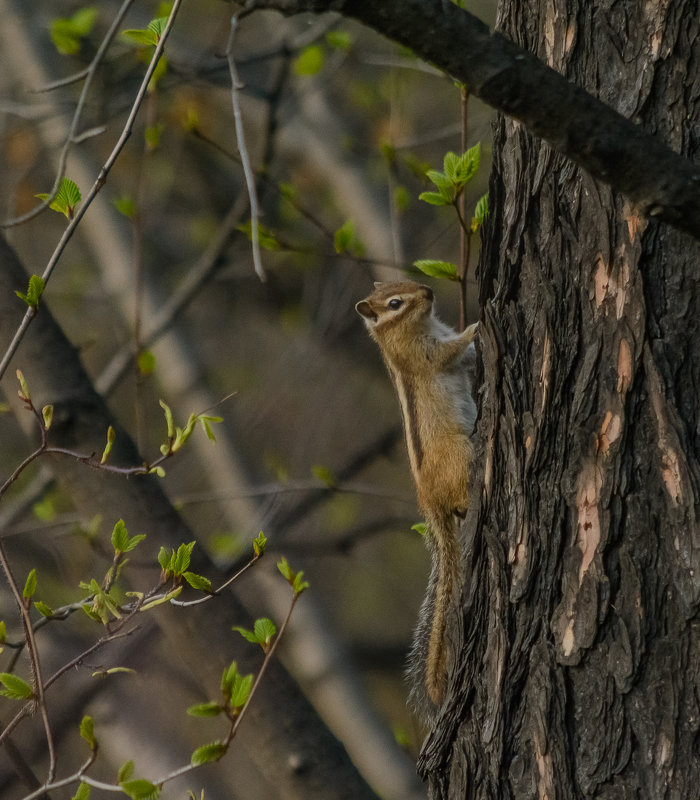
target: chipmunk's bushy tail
428 660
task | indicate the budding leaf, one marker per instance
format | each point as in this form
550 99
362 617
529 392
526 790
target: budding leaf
66 200
47 416
87 731
205 710
14 688
43 609
29 585
481 211
140 789
82 792
34 291
111 436
259 544
437 269
197 581
24 388
207 753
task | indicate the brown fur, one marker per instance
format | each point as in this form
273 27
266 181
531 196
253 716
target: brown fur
425 360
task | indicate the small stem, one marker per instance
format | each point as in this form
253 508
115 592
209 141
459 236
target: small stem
243 151
33 657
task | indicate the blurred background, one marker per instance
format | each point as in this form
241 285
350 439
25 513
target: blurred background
157 291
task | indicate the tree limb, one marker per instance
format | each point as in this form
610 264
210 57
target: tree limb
610 147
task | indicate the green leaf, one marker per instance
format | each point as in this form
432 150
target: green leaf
339 40
246 634
146 362
14 688
120 536
207 753
140 789
23 386
285 569
469 163
294 579
29 585
121 541
43 609
47 416
181 559
205 710
158 26
197 581
44 509
434 199
168 419
309 61
125 771
324 474
87 731
420 527
266 238
241 690
66 200
34 291
481 211
125 205
265 630
141 36
3 632
300 585
228 678
451 163
82 792
206 421
66 33
443 183
259 544
345 240
153 134
164 558
437 269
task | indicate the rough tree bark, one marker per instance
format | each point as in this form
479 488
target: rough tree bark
578 665
577 658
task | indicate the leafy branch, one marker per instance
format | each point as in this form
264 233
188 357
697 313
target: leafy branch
104 171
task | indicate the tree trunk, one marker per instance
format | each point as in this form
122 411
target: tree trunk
578 657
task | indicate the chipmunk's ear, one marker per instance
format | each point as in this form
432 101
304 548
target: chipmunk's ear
364 309
378 284
427 291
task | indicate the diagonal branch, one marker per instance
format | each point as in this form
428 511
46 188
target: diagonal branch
610 147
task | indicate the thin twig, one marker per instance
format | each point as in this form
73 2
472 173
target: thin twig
97 186
33 658
243 150
71 139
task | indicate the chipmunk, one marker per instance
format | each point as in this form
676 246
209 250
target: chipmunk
426 361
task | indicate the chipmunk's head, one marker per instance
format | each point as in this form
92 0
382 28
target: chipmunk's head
404 303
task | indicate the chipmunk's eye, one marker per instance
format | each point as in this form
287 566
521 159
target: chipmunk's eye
395 303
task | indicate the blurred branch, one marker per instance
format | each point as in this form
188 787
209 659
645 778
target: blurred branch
243 151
